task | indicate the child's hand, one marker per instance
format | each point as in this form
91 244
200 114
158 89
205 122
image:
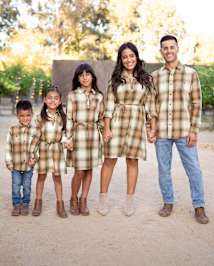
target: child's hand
69 146
10 167
32 162
107 135
151 135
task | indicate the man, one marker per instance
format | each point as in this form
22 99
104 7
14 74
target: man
179 108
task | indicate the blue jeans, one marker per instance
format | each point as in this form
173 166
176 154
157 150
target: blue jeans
189 158
21 179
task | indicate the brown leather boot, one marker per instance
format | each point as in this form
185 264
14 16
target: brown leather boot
61 209
166 210
83 207
37 207
200 216
16 210
74 206
24 209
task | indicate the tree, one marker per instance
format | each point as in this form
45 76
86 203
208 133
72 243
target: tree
8 20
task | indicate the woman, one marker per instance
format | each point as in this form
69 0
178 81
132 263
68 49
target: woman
130 99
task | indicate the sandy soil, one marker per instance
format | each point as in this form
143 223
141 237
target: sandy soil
141 240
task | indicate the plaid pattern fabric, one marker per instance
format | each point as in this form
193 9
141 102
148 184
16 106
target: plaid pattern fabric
127 114
47 140
17 147
84 124
178 101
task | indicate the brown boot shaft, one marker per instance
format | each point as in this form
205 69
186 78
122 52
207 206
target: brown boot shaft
37 207
61 209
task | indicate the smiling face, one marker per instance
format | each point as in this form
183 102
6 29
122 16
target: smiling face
129 59
24 117
169 51
85 79
53 100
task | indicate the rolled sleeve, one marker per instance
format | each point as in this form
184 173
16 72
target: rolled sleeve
109 103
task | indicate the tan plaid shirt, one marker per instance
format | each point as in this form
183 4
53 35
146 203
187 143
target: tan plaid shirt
17 147
178 101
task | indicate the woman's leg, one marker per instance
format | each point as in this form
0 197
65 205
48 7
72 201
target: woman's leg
132 174
106 174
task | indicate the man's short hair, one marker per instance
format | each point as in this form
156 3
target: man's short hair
23 105
168 37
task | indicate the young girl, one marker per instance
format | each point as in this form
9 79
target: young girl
84 121
49 131
130 99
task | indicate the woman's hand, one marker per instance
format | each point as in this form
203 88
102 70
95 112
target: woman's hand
107 135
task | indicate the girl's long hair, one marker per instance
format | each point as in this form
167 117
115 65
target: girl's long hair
44 114
144 78
88 69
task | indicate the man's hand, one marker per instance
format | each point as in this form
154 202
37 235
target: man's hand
191 139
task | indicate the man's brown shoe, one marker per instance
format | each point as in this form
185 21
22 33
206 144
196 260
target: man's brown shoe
61 209
200 216
37 207
24 209
83 207
74 206
16 210
166 210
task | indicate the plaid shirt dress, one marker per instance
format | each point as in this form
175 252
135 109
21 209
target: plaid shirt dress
84 124
127 112
17 147
48 142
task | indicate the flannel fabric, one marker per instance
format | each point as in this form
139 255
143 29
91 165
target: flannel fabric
178 101
17 147
83 129
127 112
48 141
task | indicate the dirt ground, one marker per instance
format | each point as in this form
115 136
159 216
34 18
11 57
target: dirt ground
144 239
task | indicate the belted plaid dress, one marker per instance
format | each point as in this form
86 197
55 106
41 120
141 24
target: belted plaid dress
83 128
128 112
47 141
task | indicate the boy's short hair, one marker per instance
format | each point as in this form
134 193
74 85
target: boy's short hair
24 105
167 38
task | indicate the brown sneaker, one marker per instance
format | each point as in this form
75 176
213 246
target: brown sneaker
37 207
200 216
61 209
16 210
74 206
24 209
83 207
166 210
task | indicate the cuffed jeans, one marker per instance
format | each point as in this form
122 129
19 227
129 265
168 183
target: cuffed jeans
21 179
189 158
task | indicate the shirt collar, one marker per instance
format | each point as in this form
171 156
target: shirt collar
128 77
23 126
81 90
179 67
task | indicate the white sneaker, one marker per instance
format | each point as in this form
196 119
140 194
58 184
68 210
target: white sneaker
129 207
103 207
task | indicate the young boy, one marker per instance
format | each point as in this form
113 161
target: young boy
17 158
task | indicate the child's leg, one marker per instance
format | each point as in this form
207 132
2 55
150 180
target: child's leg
106 174
26 183
75 187
58 189
39 190
16 195
85 189
40 185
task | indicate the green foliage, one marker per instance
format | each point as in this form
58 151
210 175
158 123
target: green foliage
206 75
17 79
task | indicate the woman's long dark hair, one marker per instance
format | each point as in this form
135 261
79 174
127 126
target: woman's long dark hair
144 78
44 114
88 69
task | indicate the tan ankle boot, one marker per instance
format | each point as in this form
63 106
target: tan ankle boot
83 207
74 206
61 209
37 207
